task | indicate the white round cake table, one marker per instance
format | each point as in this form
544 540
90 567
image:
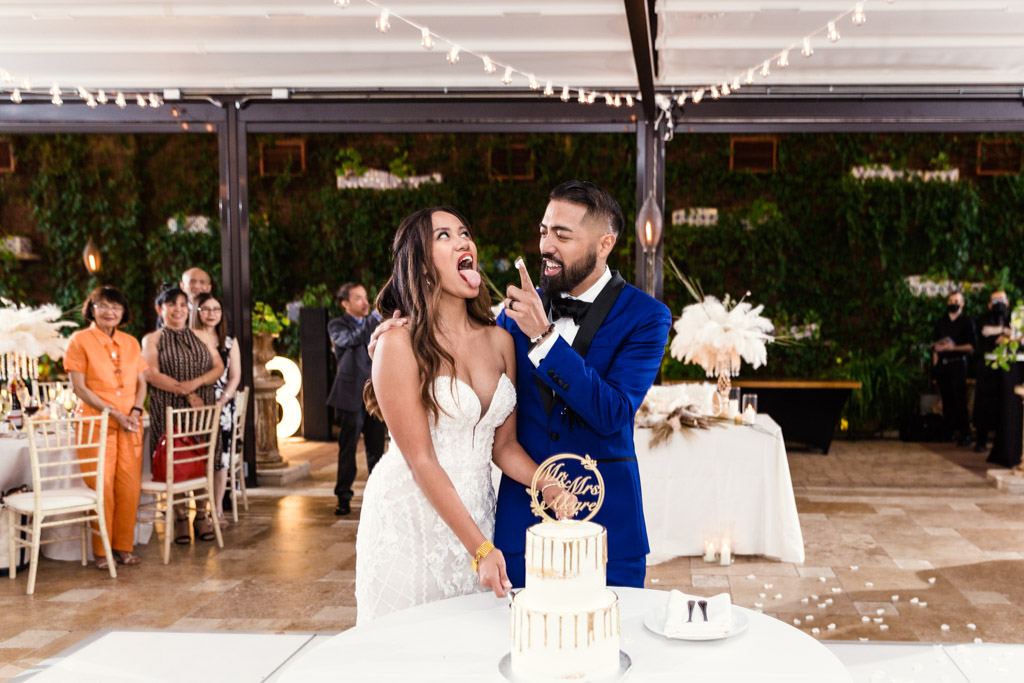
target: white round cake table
463 639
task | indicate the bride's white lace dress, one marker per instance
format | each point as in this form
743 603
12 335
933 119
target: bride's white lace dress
405 554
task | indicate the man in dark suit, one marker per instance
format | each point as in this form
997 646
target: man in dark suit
350 334
588 348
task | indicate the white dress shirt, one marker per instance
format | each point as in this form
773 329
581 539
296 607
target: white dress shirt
566 328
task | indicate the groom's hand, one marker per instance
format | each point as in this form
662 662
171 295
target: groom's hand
394 321
493 575
524 306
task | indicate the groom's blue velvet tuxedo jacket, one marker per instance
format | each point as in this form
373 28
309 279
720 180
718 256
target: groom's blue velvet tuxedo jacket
597 385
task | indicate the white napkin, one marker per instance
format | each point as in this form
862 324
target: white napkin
676 611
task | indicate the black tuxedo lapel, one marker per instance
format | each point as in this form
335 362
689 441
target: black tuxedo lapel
598 312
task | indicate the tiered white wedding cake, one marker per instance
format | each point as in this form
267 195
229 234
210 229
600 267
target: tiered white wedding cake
565 622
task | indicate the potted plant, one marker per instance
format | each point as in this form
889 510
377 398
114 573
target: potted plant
266 324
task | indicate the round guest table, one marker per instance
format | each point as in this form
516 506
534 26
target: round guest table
463 639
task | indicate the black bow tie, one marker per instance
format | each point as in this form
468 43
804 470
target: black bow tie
564 307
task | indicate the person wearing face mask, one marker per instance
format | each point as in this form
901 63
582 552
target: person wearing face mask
993 327
954 340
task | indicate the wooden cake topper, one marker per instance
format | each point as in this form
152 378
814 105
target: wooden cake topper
588 489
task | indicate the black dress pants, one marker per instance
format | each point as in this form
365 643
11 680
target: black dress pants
353 423
952 380
988 399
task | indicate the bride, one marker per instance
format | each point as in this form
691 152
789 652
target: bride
444 384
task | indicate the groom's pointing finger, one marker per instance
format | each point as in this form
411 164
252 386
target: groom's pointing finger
524 274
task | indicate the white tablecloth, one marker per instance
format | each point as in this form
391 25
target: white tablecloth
730 482
463 639
16 469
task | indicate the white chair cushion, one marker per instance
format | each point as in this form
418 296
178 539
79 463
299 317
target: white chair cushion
52 500
160 486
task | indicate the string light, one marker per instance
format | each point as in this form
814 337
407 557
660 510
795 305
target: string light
591 98
101 97
55 92
617 102
735 83
453 55
428 40
629 100
140 100
725 89
154 101
858 14
5 76
833 33
16 96
90 102
507 78
383 22
549 89
120 100
784 59
534 85
83 93
26 84
714 93
765 69
681 100
488 65
582 99
697 96
750 76
807 50
342 4
565 93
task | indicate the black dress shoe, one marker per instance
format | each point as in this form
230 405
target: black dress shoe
343 508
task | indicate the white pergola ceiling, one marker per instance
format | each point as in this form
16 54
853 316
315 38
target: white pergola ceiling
253 45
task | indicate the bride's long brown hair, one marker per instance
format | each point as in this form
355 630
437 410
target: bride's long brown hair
414 289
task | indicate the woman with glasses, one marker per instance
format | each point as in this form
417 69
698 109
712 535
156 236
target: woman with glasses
210 319
107 372
183 365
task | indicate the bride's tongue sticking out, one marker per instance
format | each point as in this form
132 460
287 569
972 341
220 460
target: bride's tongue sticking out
467 272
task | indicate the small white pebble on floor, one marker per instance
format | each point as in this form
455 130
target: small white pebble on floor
822 605
814 597
977 640
778 596
837 589
880 611
815 630
831 627
796 622
751 577
854 567
884 627
895 598
804 600
972 627
879 620
865 619
810 617
868 584
944 627
655 580
931 579
863 640
922 604
914 601
758 604
762 595
828 601
822 579
767 586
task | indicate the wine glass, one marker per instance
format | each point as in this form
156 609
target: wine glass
32 407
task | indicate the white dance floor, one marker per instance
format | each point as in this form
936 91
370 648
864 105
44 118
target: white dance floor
115 656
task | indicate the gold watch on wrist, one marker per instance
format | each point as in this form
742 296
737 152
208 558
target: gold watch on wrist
483 551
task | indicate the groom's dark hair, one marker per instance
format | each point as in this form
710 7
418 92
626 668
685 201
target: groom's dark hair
599 202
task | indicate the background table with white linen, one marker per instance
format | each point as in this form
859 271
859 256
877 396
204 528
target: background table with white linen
463 639
16 469
729 482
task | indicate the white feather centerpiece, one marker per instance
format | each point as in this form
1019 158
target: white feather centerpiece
28 333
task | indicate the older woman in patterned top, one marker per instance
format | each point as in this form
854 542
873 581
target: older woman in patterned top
183 365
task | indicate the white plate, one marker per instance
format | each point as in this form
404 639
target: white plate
655 622
625 663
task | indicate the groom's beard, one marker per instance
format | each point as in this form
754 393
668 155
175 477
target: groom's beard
570 276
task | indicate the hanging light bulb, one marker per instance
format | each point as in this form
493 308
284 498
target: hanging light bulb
681 100
453 55
750 76
565 93
83 93
154 101
833 33
765 69
725 89
617 101
697 96
629 100
140 100
342 4
488 65
91 257
16 96
534 85
26 84
582 99
101 97
120 100
807 50
90 102
549 89
714 93
592 97
383 22
649 224
858 14
784 59
507 77
55 92
427 40
735 83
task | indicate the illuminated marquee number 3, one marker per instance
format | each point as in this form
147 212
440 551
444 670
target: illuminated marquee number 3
291 411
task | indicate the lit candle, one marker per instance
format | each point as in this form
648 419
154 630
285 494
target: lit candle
726 554
749 415
709 551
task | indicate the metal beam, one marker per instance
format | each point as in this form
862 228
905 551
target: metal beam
638 18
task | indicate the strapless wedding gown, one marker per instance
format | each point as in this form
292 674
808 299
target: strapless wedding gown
405 553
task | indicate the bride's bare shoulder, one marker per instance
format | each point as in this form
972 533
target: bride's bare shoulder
396 341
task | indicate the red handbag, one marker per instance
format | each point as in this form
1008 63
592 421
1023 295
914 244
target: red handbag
182 471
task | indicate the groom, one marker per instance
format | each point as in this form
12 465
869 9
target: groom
588 348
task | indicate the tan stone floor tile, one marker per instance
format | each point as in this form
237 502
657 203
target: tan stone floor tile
815 572
9 671
193 624
79 595
706 581
757 568
332 613
31 639
215 585
912 564
986 598
347 576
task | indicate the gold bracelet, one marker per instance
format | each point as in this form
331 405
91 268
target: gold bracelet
483 551
545 487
